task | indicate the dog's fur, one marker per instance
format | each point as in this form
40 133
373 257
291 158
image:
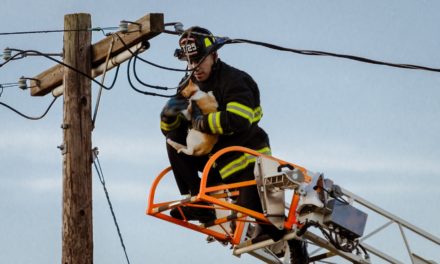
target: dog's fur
197 143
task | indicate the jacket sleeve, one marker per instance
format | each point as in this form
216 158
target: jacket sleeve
171 116
171 124
241 101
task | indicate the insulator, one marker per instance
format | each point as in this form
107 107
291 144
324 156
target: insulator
178 27
7 54
123 26
22 83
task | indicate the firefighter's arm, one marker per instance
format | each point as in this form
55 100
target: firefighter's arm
171 116
239 114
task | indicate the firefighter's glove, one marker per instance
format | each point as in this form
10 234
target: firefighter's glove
173 108
197 117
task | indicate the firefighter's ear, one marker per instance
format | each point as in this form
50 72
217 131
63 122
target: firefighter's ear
215 56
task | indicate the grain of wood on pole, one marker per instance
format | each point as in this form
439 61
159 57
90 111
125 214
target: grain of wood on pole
77 237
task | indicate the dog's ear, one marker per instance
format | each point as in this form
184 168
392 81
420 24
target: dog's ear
185 91
190 89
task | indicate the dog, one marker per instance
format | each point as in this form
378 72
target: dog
197 143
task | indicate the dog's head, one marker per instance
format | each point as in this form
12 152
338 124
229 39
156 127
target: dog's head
190 89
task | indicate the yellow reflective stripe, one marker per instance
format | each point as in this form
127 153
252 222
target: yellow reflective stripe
214 123
258 114
241 163
207 42
241 110
168 127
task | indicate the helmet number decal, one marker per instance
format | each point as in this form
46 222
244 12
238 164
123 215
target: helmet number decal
189 48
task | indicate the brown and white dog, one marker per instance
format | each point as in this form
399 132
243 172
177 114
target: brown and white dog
197 143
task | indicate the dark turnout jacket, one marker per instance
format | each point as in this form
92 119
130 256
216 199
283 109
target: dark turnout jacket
237 118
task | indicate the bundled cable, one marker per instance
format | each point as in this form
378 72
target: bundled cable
151 86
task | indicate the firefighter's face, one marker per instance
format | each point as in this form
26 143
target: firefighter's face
202 72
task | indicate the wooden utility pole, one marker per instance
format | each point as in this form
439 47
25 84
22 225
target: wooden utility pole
77 126
77 239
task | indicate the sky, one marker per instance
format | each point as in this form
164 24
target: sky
371 129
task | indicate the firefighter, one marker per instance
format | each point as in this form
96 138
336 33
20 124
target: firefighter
236 122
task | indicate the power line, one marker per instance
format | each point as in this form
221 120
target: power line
56 31
145 84
26 116
136 89
16 56
225 40
323 53
135 54
98 169
20 52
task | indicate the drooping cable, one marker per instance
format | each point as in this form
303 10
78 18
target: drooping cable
138 90
135 55
146 84
146 61
98 169
30 117
66 65
14 57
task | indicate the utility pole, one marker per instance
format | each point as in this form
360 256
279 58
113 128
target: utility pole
77 127
59 80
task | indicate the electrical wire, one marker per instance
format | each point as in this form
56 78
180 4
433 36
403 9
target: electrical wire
6 85
66 65
136 89
14 57
98 169
108 88
20 52
30 117
224 41
323 53
182 82
162 67
146 84
146 61
320 53
56 31
136 56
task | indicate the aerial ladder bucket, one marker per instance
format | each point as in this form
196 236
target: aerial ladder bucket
293 199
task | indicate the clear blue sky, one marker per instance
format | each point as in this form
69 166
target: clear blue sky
372 129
